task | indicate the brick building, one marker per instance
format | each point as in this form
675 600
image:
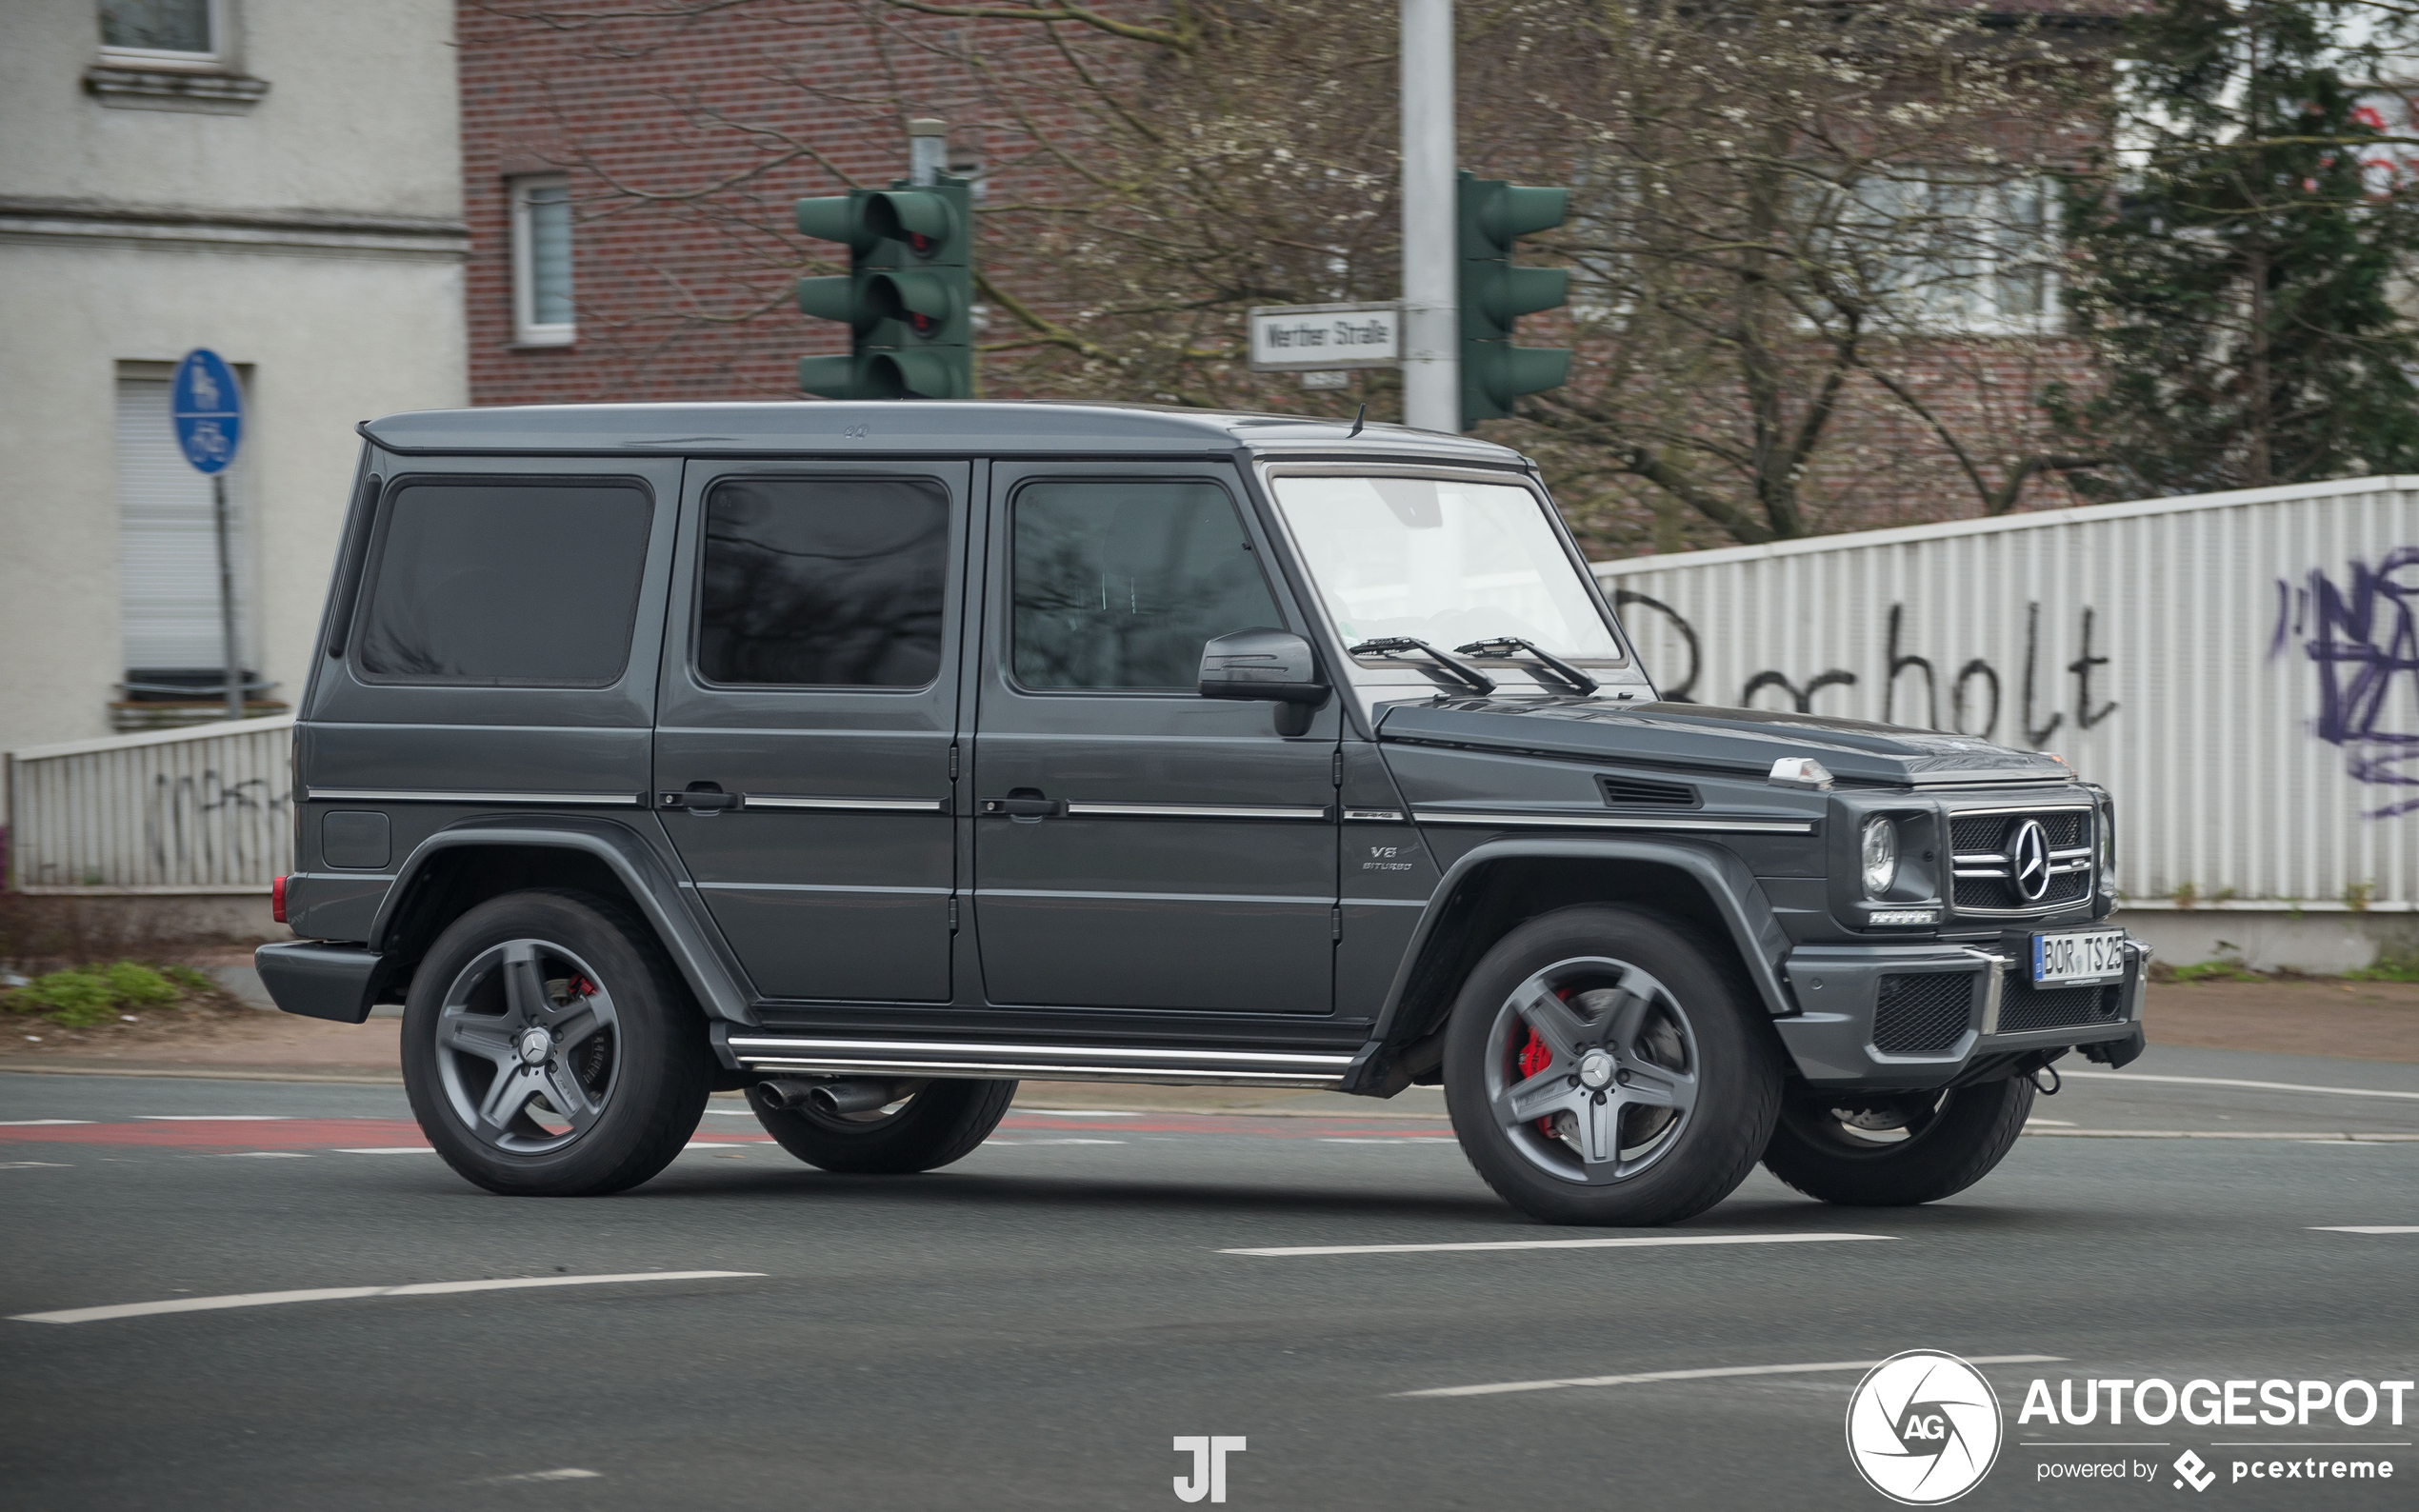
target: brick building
628 184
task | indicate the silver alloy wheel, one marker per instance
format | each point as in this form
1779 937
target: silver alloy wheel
527 1048
1881 1126
1618 1084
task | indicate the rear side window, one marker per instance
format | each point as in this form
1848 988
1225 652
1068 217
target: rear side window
824 583
505 584
1117 584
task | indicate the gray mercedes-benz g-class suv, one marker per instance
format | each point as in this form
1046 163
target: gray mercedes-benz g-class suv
872 756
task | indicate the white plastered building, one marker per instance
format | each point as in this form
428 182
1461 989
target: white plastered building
278 181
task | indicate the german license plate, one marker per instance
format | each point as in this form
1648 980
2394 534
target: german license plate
2079 958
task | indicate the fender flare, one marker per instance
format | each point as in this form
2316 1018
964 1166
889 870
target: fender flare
642 873
1735 893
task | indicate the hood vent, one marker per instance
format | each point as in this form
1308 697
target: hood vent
1630 793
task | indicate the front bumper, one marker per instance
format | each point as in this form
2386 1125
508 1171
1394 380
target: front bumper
1915 1016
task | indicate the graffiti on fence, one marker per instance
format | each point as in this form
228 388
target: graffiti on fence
2362 636
1976 685
179 832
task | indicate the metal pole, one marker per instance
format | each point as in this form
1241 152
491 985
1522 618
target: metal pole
227 598
927 149
1431 319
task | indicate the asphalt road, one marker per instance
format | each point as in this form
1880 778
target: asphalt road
1034 1326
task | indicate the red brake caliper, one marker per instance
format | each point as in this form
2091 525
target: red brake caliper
582 987
1535 1058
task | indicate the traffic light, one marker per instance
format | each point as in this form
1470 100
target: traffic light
1491 216
908 297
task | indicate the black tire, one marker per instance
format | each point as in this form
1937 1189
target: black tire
634 1043
1897 1153
940 1123
1655 1009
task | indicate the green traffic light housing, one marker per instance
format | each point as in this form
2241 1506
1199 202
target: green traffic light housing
1491 216
908 298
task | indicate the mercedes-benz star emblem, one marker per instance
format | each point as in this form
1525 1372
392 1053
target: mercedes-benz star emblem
2029 861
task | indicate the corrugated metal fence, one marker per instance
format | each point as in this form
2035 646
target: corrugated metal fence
208 810
2242 669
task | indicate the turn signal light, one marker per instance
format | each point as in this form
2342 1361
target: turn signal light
277 900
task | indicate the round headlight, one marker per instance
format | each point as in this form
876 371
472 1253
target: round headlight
1881 856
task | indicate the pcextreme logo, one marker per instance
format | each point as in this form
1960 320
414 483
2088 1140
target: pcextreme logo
1923 1427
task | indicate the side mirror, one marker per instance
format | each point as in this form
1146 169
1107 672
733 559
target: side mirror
1268 666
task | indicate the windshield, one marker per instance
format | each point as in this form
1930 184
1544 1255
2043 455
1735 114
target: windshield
1443 561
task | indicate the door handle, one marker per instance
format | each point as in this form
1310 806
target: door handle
700 800
1025 805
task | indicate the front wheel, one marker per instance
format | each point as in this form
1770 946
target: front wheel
930 1125
1897 1151
1603 1066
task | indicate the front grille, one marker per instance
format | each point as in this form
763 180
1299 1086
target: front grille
2023 1006
1985 846
1920 1012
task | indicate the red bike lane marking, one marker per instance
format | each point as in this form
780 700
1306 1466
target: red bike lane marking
323 1133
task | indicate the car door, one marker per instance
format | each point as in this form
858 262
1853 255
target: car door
805 747
1137 845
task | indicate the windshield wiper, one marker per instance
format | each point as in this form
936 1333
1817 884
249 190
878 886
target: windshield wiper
1389 645
1503 648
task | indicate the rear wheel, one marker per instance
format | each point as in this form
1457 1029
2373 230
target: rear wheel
930 1125
1602 1067
1897 1151
549 1048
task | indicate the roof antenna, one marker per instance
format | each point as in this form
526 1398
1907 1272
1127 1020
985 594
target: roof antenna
1356 421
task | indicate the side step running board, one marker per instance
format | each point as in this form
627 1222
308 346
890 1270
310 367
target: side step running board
1056 1062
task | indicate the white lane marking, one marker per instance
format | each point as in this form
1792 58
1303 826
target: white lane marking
210 1118
1643 1378
733 1112
2224 1080
1081 1112
2330 1137
551 1475
2366 1228
723 1144
1633 1242
425 1288
35 1122
267 1155
389 1149
1388 1139
21 1165
2051 1122
1053 1142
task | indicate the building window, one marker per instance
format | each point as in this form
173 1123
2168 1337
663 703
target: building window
164 34
1956 257
168 607
542 263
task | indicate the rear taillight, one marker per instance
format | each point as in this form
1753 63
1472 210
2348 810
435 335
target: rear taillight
277 900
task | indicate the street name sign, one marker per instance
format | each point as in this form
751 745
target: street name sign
1299 338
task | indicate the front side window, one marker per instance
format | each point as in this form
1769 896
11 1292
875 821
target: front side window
162 30
542 263
505 584
1444 560
824 582
1117 584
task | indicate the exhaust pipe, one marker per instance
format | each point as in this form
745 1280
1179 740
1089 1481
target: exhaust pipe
830 1097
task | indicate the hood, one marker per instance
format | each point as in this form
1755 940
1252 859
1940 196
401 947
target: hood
1737 740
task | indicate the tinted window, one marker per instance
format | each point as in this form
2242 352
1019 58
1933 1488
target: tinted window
507 585
824 583
1119 584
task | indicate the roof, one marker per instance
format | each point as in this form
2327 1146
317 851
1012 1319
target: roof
890 427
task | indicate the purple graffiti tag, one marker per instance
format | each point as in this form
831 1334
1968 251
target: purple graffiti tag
2363 639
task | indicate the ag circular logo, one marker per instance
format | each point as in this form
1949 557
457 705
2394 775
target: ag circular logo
1923 1427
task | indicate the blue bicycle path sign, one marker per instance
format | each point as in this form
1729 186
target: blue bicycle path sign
208 410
